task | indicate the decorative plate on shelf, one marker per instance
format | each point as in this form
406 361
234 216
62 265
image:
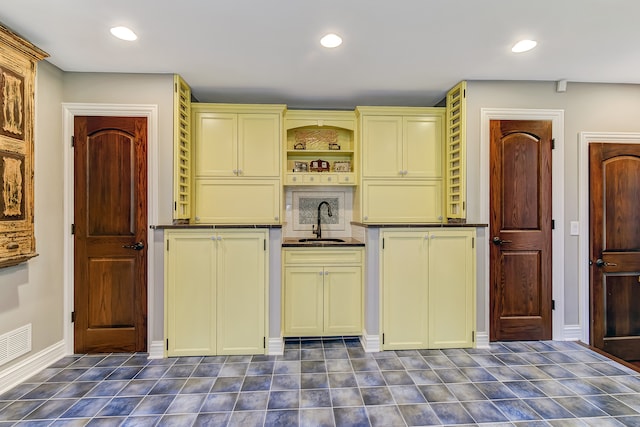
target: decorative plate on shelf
342 166
319 166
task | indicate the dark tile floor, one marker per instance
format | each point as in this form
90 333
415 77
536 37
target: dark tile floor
334 383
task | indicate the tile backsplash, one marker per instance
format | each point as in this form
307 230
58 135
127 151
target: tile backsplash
302 211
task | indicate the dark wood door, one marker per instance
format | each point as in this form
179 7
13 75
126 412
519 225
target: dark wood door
520 230
110 300
614 247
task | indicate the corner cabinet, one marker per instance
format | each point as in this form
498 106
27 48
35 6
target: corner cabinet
320 136
215 291
401 163
427 288
237 157
322 291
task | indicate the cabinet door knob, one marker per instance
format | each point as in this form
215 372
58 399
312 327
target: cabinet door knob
320 273
326 273
235 171
365 217
219 237
294 179
276 218
329 179
310 178
239 171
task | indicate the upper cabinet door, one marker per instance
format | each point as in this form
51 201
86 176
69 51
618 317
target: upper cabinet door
259 145
422 148
215 143
382 146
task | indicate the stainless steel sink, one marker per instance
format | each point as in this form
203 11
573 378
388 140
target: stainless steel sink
322 240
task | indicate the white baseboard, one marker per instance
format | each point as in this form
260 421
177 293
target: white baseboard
156 350
370 343
482 340
30 366
572 333
275 346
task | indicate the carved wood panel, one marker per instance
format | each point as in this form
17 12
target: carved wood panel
18 60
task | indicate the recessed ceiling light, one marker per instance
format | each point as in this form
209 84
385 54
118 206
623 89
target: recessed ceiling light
523 46
124 33
331 40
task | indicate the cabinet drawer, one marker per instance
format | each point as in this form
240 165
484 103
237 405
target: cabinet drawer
14 244
322 256
347 178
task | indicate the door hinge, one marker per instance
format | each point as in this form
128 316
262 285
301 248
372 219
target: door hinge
473 242
383 247
73 229
553 143
264 342
175 87
73 141
464 93
473 336
167 244
382 338
264 244
175 206
553 224
553 304
73 317
167 343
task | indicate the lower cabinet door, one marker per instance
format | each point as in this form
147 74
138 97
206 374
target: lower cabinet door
405 290
241 292
451 288
190 298
303 301
342 300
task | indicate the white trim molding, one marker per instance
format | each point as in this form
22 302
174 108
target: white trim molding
30 366
482 340
586 138
275 346
557 119
69 111
370 343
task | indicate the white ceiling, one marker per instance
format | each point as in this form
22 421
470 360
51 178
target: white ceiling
402 52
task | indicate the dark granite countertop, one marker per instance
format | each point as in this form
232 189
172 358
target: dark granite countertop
210 226
429 225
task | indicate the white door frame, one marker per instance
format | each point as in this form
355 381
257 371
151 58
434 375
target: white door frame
587 138
69 111
557 119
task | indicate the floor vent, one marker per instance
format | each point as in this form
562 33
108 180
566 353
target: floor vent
15 343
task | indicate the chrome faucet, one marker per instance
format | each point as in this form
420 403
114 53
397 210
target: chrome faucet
318 229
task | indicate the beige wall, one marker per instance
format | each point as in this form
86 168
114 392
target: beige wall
587 107
32 292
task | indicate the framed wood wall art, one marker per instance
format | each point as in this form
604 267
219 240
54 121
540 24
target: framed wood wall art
18 60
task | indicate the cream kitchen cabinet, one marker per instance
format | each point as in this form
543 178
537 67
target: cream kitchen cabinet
428 288
215 286
237 157
237 140
323 291
401 164
402 142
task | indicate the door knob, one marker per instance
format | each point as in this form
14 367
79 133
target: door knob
601 263
136 246
498 241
